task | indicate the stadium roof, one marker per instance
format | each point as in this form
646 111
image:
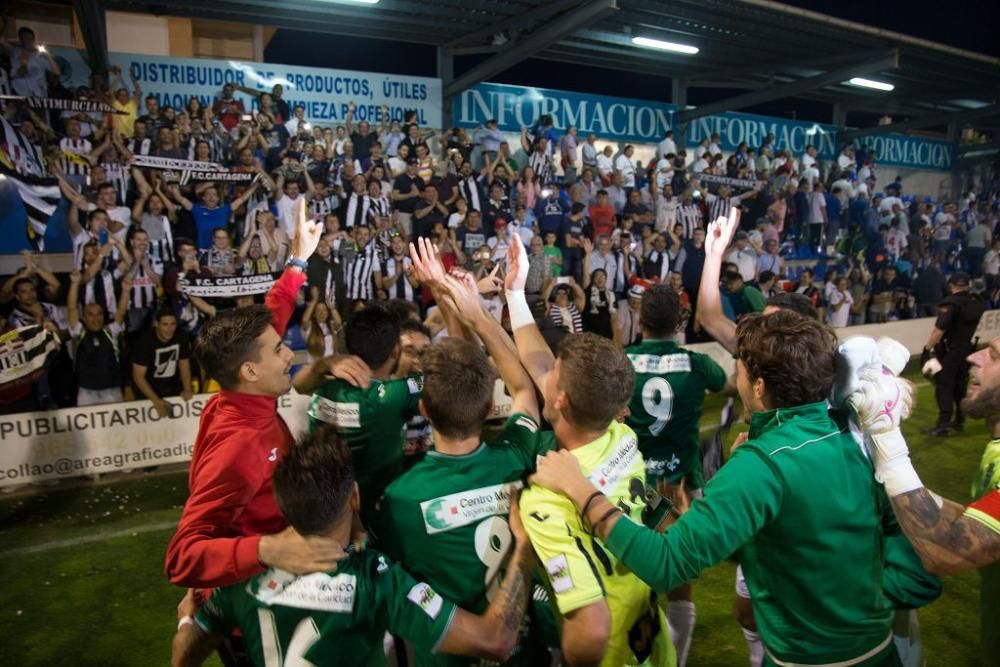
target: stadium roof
762 50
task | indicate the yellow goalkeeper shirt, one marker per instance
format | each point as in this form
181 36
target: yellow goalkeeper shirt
579 571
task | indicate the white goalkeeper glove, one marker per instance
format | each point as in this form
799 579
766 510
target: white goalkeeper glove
881 402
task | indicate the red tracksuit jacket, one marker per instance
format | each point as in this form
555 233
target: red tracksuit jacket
231 504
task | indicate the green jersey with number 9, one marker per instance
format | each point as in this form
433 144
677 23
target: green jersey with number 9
666 406
445 519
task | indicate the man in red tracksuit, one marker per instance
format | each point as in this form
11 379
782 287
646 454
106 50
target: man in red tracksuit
231 527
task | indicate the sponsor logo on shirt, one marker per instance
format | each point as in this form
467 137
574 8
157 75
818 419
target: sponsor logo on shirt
461 509
558 569
657 466
655 363
426 598
342 415
616 466
317 591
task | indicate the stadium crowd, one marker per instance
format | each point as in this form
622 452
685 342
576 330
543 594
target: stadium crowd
415 273
600 226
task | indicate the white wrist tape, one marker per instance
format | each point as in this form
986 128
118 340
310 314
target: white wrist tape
517 307
896 473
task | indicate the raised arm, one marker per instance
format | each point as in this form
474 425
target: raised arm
349 118
72 309
175 191
717 238
281 297
534 352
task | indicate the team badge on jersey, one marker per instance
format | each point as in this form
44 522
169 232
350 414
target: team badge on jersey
426 598
558 569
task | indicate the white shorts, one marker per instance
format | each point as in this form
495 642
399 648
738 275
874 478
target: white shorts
741 584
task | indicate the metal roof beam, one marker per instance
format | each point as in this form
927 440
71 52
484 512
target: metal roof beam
889 60
90 14
517 20
924 121
528 46
783 65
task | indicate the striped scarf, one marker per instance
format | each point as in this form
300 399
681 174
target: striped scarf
555 312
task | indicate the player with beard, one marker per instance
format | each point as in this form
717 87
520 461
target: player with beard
948 536
372 418
799 467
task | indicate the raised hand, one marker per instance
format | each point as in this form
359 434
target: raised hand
517 265
490 283
463 292
74 277
426 264
720 234
307 233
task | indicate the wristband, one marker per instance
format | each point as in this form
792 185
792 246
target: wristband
607 515
294 261
897 474
586 505
517 306
185 620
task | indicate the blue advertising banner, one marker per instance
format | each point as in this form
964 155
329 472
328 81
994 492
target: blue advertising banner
626 119
912 152
644 121
323 92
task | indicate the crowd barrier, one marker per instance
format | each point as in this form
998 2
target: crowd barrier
79 442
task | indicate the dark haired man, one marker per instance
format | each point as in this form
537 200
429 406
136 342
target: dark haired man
609 617
798 467
445 517
372 416
328 617
665 413
161 363
231 528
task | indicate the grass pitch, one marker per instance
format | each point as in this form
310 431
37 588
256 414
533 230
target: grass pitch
82 568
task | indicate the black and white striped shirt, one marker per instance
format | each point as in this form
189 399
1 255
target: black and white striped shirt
319 207
139 146
360 271
401 289
378 207
118 175
689 215
81 147
101 290
540 163
468 188
143 294
720 206
356 210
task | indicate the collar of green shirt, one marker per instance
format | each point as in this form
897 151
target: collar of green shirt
762 422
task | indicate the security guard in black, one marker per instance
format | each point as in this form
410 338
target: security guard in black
951 341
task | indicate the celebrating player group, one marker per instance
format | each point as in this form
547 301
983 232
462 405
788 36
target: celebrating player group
572 534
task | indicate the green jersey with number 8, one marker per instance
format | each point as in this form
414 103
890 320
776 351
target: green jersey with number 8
666 406
445 519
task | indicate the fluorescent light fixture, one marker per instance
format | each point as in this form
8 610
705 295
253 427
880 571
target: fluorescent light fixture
871 83
664 45
352 2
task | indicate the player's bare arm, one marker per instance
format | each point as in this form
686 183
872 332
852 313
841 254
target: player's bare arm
493 635
947 540
192 646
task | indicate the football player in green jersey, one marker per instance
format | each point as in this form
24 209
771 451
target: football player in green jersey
341 617
802 468
609 617
445 518
950 537
665 413
373 418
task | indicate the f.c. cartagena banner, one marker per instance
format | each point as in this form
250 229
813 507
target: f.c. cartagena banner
74 442
323 92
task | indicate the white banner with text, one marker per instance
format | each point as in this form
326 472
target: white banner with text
76 442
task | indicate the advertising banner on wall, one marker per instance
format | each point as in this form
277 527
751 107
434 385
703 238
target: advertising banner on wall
76 442
644 121
323 92
630 120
